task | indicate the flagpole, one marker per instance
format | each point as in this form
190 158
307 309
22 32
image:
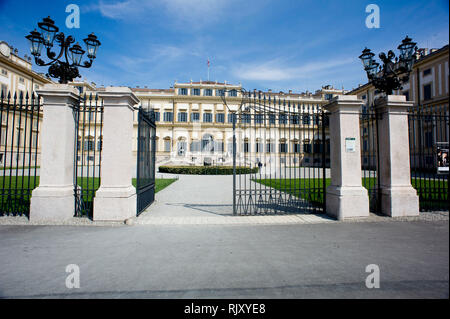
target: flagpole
208 69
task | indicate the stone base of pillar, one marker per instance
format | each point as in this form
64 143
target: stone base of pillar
52 203
399 201
347 202
114 203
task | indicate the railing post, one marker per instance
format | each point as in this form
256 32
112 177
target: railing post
54 198
115 200
398 197
346 197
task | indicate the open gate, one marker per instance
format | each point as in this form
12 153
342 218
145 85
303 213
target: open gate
281 155
146 158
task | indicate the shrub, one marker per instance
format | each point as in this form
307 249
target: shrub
207 170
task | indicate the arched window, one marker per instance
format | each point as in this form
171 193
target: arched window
167 145
207 143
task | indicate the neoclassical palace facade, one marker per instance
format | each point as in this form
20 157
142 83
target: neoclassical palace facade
194 126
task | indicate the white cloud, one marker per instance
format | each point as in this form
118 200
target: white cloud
275 71
194 13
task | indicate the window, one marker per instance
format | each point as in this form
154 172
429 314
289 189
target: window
427 92
259 147
157 117
306 119
272 118
207 92
196 92
207 117
259 118
296 148
283 148
328 97
426 72
167 145
89 145
318 147
365 146
294 119
220 118
182 117
246 118
21 80
182 91
4 72
270 147
195 117
283 119
4 91
363 97
80 89
231 117
181 148
220 92
246 147
90 158
307 147
100 144
34 140
232 93
168 116
3 141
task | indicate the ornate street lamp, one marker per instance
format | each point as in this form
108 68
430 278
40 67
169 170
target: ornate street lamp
394 72
65 69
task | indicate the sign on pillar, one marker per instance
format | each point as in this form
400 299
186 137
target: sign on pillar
346 197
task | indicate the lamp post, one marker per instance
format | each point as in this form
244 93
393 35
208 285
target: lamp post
395 70
65 69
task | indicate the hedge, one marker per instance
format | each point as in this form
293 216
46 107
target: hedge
206 170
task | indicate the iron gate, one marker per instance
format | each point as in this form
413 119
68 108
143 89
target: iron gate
281 151
20 117
428 144
146 158
88 116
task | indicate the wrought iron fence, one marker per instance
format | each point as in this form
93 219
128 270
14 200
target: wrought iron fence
369 156
429 144
146 158
288 142
19 151
88 144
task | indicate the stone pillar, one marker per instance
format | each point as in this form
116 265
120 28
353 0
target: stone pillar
54 198
346 197
398 197
115 200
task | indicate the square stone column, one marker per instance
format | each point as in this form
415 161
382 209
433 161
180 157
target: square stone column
398 197
346 197
115 200
54 198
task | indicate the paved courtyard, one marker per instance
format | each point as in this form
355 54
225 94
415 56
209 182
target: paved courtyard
224 261
208 199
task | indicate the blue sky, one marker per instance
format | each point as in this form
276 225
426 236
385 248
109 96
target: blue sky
264 44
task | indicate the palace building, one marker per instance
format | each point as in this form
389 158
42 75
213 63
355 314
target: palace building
194 126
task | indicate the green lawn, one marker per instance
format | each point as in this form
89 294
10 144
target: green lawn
86 184
311 189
